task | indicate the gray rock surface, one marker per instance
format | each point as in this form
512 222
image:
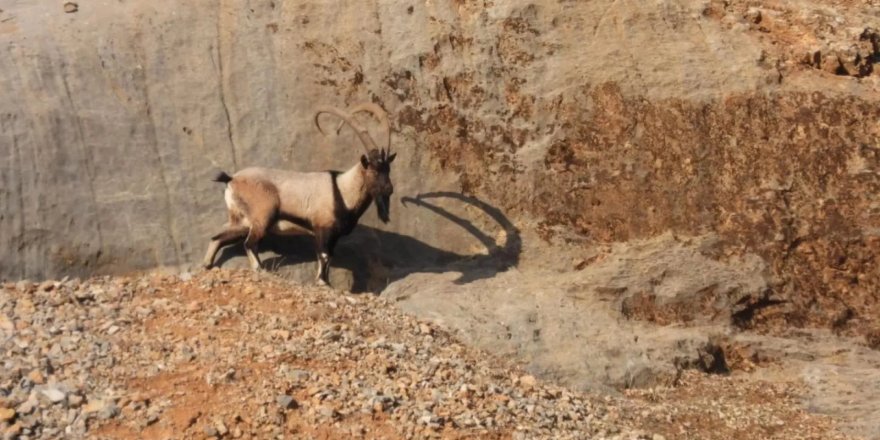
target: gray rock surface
572 326
842 375
114 117
110 134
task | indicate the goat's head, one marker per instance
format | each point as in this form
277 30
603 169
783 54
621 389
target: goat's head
376 163
377 179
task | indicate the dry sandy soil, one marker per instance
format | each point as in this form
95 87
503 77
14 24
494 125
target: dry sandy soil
231 354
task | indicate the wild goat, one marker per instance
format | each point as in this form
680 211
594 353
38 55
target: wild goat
326 205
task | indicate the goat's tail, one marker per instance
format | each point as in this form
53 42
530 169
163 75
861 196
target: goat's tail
222 177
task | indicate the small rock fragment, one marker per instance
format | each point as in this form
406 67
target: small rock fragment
152 417
74 400
327 412
13 431
285 401
528 381
6 414
54 395
71 7
299 375
109 411
210 431
425 329
28 406
221 428
36 377
6 324
102 409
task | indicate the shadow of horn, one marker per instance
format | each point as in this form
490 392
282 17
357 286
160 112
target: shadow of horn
512 243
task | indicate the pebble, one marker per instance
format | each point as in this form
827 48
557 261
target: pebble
221 428
36 377
528 381
13 431
152 418
425 329
74 400
285 401
299 375
28 406
327 412
6 414
109 411
102 409
54 395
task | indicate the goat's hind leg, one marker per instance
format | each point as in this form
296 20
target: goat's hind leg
227 236
250 248
251 243
259 203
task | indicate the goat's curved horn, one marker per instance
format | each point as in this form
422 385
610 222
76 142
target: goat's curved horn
379 113
361 132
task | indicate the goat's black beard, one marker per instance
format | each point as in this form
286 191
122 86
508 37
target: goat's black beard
383 208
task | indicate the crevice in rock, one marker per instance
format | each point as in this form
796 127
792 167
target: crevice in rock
229 133
710 359
743 318
153 140
16 148
87 161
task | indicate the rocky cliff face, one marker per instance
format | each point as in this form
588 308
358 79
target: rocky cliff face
584 123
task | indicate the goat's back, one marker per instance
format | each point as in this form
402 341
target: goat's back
306 195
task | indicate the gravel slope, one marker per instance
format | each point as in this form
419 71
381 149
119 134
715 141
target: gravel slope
235 355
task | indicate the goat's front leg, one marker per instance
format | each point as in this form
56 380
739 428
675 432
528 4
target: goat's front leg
324 243
322 278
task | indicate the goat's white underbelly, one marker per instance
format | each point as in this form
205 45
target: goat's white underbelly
285 227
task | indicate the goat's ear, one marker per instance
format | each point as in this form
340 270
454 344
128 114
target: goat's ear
364 161
391 158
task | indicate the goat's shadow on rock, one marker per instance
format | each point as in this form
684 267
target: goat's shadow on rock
375 258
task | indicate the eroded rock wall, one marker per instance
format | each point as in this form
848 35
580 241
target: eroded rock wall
588 122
